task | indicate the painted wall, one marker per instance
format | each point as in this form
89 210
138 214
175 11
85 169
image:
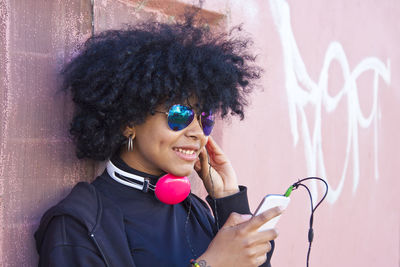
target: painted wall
37 165
329 107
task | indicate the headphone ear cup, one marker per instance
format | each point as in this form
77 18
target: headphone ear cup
171 189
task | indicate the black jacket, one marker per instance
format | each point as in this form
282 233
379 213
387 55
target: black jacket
88 229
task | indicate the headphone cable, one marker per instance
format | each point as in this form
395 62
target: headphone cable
310 230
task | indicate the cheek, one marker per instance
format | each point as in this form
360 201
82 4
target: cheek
162 143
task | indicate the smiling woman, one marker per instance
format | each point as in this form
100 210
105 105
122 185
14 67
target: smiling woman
145 99
160 148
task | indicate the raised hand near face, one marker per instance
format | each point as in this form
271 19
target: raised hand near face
216 171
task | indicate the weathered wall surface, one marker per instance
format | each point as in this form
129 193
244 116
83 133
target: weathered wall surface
37 162
329 107
37 166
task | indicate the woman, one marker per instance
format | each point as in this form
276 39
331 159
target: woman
146 98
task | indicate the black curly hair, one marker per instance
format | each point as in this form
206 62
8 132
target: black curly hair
121 76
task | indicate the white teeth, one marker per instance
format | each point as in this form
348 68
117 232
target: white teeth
187 152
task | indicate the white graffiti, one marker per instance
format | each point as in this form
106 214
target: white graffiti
303 92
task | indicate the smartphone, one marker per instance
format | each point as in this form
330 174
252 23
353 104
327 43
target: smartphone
268 202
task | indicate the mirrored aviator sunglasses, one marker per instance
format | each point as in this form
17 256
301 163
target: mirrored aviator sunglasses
180 117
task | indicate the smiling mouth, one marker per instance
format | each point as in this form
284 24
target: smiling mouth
185 151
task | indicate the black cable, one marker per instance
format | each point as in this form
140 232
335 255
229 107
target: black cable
190 209
314 178
186 224
310 230
212 192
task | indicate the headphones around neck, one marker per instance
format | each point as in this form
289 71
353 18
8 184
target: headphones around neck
169 189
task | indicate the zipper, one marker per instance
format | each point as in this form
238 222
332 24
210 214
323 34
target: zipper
99 248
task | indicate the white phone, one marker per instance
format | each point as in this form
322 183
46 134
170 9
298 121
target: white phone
268 202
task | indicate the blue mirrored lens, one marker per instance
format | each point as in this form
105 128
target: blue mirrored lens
179 117
207 122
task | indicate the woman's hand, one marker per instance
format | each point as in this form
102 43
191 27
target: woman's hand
238 243
223 181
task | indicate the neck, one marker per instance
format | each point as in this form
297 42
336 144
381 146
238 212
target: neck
132 161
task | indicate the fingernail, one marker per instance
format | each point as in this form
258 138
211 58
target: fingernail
246 216
281 209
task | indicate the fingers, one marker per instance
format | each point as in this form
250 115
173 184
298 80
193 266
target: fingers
201 160
257 221
197 165
201 166
203 157
235 219
217 156
261 253
212 147
264 237
241 235
260 260
257 254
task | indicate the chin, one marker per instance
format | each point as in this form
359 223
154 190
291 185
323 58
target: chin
181 172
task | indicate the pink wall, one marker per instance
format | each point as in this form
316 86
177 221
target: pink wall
37 165
328 107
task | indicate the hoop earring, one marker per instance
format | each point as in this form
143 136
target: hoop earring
130 143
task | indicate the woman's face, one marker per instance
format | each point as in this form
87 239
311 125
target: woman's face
158 149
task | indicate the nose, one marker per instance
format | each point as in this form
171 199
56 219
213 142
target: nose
194 130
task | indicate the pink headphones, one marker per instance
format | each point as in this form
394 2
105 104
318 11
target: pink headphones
169 189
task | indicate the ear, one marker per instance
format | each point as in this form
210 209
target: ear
129 131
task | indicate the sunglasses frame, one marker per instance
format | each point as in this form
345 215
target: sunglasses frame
198 116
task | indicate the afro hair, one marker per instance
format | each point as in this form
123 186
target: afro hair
121 76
